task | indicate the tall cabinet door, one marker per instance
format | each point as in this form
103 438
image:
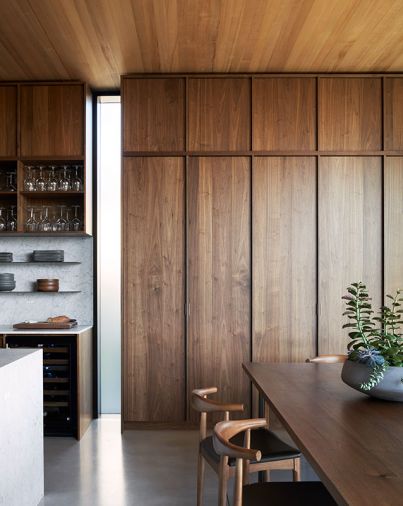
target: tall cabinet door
153 303
350 240
284 259
219 275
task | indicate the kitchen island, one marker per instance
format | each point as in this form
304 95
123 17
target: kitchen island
21 427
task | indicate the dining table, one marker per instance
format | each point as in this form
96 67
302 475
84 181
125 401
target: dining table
353 442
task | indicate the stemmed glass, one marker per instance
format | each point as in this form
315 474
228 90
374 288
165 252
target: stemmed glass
61 221
3 224
52 182
40 182
75 223
11 186
11 224
31 224
64 183
76 183
29 181
44 224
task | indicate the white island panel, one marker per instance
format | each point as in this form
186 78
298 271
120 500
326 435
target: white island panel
21 427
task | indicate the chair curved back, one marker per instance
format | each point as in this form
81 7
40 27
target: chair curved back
201 403
327 359
224 431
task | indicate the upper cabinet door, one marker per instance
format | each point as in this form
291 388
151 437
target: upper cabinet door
154 114
8 121
284 114
52 120
350 114
393 113
219 114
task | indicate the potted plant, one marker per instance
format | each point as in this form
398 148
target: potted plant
375 352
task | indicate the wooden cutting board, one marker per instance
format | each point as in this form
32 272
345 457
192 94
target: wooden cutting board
46 325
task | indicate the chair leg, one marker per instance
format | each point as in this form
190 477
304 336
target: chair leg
223 482
296 473
266 475
200 479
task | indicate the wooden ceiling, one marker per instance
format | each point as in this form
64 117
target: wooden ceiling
98 40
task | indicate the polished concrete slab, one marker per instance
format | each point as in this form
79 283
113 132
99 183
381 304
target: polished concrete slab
140 468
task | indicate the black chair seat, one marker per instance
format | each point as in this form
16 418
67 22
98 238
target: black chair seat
302 493
270 445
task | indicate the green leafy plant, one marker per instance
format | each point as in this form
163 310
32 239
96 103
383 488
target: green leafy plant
375 340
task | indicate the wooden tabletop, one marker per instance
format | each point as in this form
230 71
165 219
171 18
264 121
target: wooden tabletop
354 443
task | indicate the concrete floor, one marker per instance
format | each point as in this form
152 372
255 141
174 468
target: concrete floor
140 468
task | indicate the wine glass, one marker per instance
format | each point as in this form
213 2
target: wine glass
44 224
61 221
40 182
11 224
31 224
52 182
3 224
11 185
64 183
29 181
76 183
75 223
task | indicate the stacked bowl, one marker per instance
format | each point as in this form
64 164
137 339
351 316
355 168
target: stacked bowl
47 285
6 257
7 282
55 255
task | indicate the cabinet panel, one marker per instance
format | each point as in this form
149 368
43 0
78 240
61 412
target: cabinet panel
284 259
350 239
8 121
154 114
284 114
393 215
52 120
219 114
350 114
153 289
219 275
394 113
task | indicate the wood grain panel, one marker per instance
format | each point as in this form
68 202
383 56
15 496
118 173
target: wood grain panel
154 114
350 239
284 114
97 41
284 259
8 121
394 113
219 114
52 120
350 114
393 225
153 290
219 275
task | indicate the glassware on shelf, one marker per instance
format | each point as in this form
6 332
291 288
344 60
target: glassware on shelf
29 181
44 224
31 224
11 223
52 182
76 182
75 223
61 223
64 182
11 185
40 183
3 223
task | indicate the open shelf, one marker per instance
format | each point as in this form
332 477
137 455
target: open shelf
35 291
45 234
39 263
40 195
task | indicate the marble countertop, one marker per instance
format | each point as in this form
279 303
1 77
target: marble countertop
8 356
8 329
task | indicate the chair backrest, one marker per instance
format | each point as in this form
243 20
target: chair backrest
203 405
223 432
327 359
